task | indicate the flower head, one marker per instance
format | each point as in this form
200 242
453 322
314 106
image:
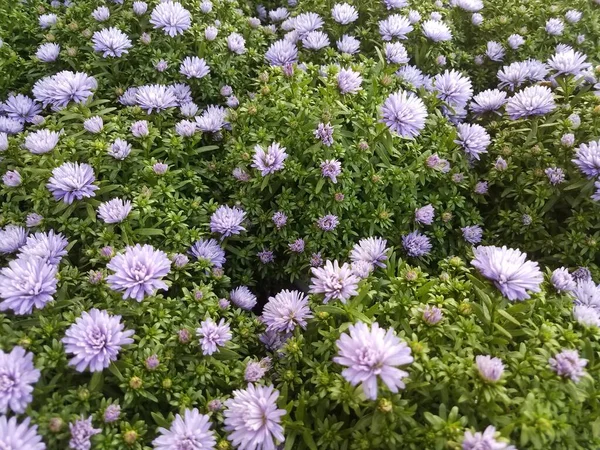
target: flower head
282 53
12 238
416 244
436 30
213 335
495 51
171 17
432 315
286 311
425 215
555 27
212 119
120 149
453 88
372 250
20 108
348 44
49 247
328 222
307 22
485 440
93 125
188 432
271 160
111 42
112 413
343 13
404 113
115 210
17 376
20 436
569 62
236 43
324 132
395 53
490 369
331 169
64 87
155 97
395 26
227 221
81 432
587 158
194 67
568 364
472 234
334 281
531 101
315 40
140 8
562 280
587 316
72 181
473 138
243 298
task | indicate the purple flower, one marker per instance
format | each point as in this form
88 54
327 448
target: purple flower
206 6
473 138
490 369
161 65
500 164
436 31
252 418
476 19
160 168
112 413
307 22
297 246
41 141
93 125
139 129
279 14
371 250
240 174
212 119
282 53
140 8
328 222
95 340
425 215
481 188
12 178
64 87
349 81
20 108
416 244
120 149
404 113
568 364
472 234
32 220
509 271
587 158
211 33
227 221
286 311
596 195
194 67
101 13
129 97
587 315
469 5
191 432
315 40
152 362
18 375
432 315
236 43
485 440
370 354
49 247
331 169
453 88
324 132
586 292
3 142
555 27
20 435
495 51
138 271
185 128
10 126
145 38
531 101
213 335
111 42
47 20
279 219
334 282
12 238
27 283
209 251
270 161
569 62
115 210
81 432
255 371
562 280
243 298
515 41
437 163
567 139
343 13
171 17
395 26
348 44
155 97
582 274
395 4
189 109
395 53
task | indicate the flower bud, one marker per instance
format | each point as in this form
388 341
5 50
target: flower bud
135 383
130 437
55 424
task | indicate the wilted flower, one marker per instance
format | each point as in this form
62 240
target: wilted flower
255 371
227 221
120 149
297 246
437 163
81 432
213 335
111 42
20 436
334 282
395 26
349 81
286 311
324 132
416 244
568 364
194 67
404 113
190 431
269 161
436 31
171 17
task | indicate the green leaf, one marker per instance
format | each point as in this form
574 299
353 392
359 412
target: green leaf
148 232
226 354
508 317
97 381
309 441
160 420
331 310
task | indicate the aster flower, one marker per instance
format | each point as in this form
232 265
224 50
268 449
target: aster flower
20 436
279 219
279 14
513 75
140 8
335 282
252 418
562 280
19 374
101 14
3 141
112 413
190 431
568 364
476 19
469 5
227 221
315 40
472 234
20 108
586 292
416 244
240 174
138 271
436 163
348 44
188 109
297 246
64 87
111 42
343 13
12 237
155 97
432 315
324 132
490 100
47 20
587 315
194 67
515 41
211 33
587 159
81 433
485 440
266 256
48 52
349 81
573 16
282 53
32 220
95 340
206 6
555 175
473 138
72 181
286 311
568 62
395 53
213 335
395 26
425 215
212 119
307 22
509 271
453 88
243 298
115 210
185 128
236 43
395 4
537 70
370 354
494 51
555 27
331 169
93 125
328 222
171 17
209 251
10 126
413 75
596 195
404 113
120 149
436 31
531 101
49 247
269 161
490 369
255 371
371 250
139 128
129 97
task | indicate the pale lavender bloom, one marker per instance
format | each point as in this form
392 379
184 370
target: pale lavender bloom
348 44
155 97
206 6
555 175
473 138
425 215
531 101
395 4
15 435
139 129
279 219
140 8
515 41
436 31
500 164
335 282
252 418
328 222
138 271
48 52
49 247
395 26
27 283
490 369
41 141
81 432
20 108
189 109
349 81
469 5
562 280
331 169
587 315
537 70
307 22
227 221
316 260
213 335
211 33
286 311
129 97
485 440
194 67
266 256
160 168
569 62
145 38
112 413
240 174
371 250
370 353
587 158
120 149
180 260
182 92
282 53
513 75
509 271
72 181
414 16
568 364
437 163
171 17
212 119
574 120
114 211
60 89
161 65
255 371
185 128
586 292
3 141
481 188
107 252
279 14
236 43
414 76
12 238
111 42
440 60
432 315
567 139
47 20
416 244
208 251
324 132
315 40
101 13
18 375
10 126
495 51
573 16
395 53
297 246
33 220
476 19
343 13
404 113
453 88
94 124
95 340
269 161
555 27
226 91
472 234
188 432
